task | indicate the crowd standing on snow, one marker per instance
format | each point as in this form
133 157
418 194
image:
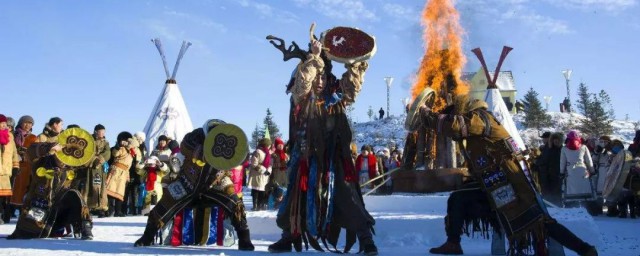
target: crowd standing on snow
576 170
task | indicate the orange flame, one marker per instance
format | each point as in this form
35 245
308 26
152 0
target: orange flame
443 54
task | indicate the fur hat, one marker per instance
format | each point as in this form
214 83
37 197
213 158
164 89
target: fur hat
264 142
3 119
11 123
124 136
605 138
140 136
25 119
99 127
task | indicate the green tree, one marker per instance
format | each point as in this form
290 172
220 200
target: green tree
584 99
274 131
256 135
535 115
599 116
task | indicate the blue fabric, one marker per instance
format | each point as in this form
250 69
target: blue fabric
188 231
331 189
616 149
311 194
292 166
105 167
213 226
142 195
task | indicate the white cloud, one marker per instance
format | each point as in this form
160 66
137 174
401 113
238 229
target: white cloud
521 11
546 24
350 10
197 20
613 6
267 11
161 30
401 12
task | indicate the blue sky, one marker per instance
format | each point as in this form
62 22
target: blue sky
92 61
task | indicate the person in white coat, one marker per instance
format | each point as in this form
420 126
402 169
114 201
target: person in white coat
577 167
259 171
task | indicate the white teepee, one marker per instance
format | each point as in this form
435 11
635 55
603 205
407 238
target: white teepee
500 111
169 116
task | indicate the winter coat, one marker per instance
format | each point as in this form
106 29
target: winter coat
9 159
372 165
152 187
21 182
575 164
280 175
122 158
48 135
601 162
49 192
258 173
95 187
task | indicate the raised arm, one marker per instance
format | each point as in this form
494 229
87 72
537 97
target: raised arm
352 81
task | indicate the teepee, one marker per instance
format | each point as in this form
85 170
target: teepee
169 116
494 98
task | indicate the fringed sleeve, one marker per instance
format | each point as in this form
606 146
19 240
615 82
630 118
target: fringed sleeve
307 72
352 80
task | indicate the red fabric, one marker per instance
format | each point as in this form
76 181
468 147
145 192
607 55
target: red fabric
267 157
574 143
350 174
237 176
176 232
152 176
220 227
281 153
304 175
4 137
372 164
132 152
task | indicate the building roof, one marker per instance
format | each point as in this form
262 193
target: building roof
505 80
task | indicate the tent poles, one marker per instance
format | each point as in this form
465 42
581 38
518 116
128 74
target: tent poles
183 50
158 44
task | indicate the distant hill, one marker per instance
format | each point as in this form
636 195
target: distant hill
380 133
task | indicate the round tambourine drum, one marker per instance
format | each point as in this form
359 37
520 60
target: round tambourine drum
225 146
348 45
78 147
427 97
617 175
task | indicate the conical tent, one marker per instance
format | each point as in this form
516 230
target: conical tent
494 98
500 111
169 116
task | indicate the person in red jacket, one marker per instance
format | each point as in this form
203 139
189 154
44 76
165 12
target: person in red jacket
366 166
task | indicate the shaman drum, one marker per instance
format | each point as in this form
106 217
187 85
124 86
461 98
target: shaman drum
225 146
427 97
348 45
78 147
617 174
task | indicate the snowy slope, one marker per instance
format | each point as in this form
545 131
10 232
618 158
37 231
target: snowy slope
405 225
380 132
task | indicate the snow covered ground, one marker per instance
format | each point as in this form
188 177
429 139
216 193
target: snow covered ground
406 225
